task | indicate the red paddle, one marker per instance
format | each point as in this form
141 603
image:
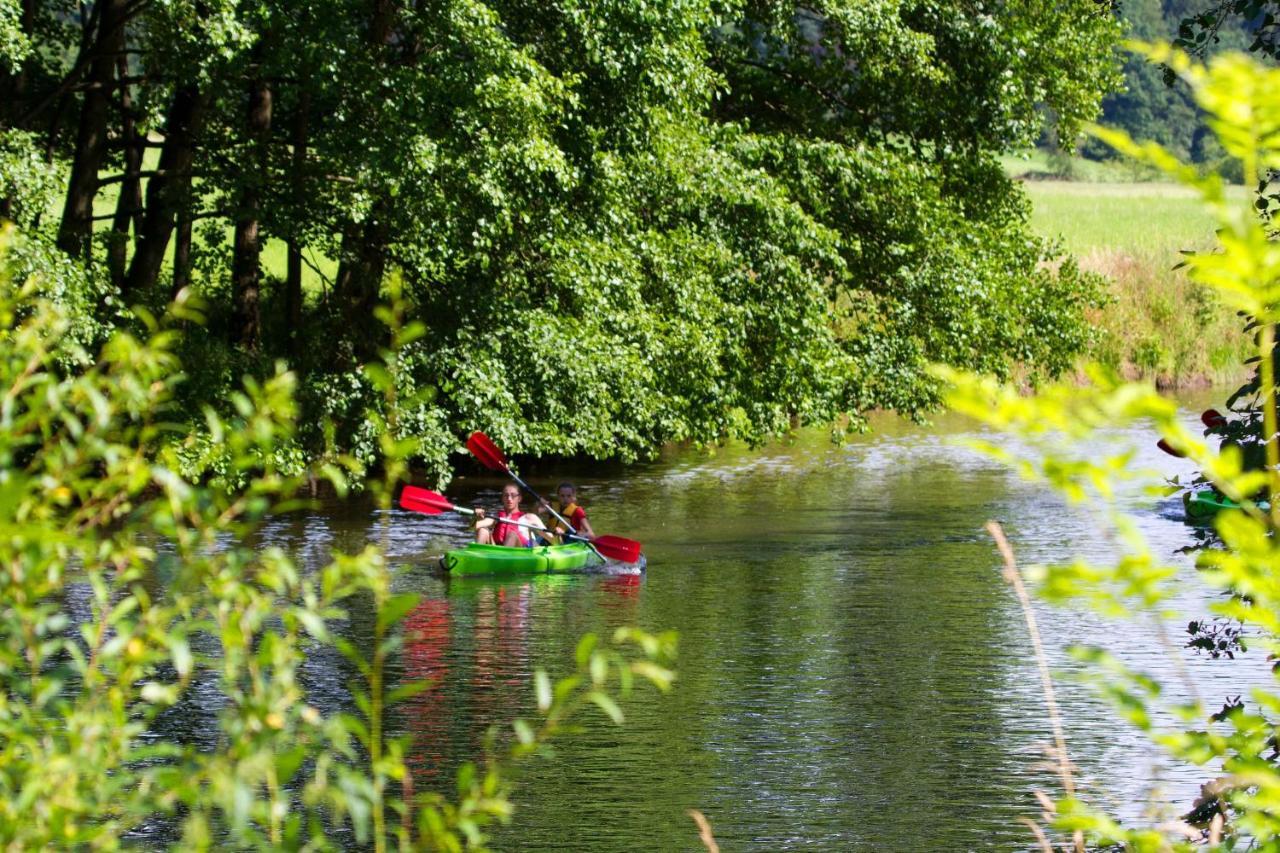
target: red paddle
1168 448
492 457
1212 418
416 499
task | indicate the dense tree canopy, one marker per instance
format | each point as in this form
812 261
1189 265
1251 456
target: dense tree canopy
621 224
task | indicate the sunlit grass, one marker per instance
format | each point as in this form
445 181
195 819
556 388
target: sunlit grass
1130 217
1159 325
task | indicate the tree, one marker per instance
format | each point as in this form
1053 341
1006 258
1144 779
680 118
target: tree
621 225
1153 103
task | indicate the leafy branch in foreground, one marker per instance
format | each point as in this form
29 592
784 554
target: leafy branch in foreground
1239 741
131 596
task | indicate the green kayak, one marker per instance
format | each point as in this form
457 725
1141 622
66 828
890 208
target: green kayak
477 559
1203 504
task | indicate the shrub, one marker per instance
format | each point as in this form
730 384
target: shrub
1242 807
125 586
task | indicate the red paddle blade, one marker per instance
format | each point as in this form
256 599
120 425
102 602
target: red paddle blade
1168 448
486 451
416 499
618 548
1212 418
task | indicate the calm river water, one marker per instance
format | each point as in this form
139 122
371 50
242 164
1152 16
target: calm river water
853 673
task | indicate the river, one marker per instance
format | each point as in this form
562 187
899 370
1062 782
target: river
853 672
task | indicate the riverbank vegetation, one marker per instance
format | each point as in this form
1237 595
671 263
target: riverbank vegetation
1234 743
619 226
1156 324
132 593
1123 221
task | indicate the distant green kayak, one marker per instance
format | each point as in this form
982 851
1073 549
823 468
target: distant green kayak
1203 504
476 559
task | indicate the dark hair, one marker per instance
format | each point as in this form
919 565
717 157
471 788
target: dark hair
567 485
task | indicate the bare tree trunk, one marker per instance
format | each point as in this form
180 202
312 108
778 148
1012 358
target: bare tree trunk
293 275
91 138
246 272
362 259
182 249
359 282
130 202
167 191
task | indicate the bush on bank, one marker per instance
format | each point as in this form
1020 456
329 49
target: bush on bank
1234 743
127 589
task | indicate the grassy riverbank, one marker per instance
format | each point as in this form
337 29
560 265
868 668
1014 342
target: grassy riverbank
1158 325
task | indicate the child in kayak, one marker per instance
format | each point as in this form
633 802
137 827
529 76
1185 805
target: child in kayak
501 531
569 510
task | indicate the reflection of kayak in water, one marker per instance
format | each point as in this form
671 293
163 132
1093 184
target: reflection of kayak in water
1204 504
476 559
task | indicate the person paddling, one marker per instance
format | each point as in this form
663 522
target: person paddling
501 531
568 509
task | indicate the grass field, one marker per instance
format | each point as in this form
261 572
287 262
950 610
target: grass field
1133 217
1159 325
1039 164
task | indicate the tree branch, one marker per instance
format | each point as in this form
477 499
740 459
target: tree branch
830 98
85 58
146 173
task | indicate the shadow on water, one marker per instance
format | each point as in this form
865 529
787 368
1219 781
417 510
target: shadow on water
853 673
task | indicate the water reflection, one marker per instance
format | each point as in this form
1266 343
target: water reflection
427 636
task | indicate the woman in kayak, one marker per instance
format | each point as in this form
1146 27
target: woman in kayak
501 531
569 510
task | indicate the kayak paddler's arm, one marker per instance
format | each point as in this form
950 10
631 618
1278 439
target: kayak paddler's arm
584 527
483 522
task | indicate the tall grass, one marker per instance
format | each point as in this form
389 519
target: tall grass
1158 325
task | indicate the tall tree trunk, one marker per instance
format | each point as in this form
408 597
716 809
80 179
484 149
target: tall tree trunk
167 191
91 138
130 201
293 275
360 267
246 272
182 249
362 258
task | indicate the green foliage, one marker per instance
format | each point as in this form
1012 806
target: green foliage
1200 29
15 45
1238 96
128 588
618 225
26 177
85 304
1153 104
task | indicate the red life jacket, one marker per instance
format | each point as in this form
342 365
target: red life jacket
524 536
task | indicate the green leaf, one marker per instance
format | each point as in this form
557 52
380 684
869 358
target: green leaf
542 690
605 703
396 609
407 691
